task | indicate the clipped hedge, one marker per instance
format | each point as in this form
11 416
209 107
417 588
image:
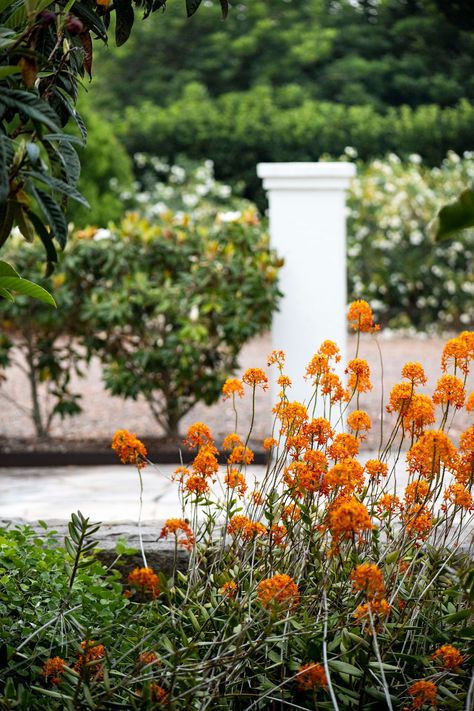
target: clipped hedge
237 130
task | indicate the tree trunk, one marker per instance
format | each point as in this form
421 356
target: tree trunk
41 431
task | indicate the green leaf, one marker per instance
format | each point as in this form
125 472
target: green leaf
59 185
46 239
344 668
5 294
192 6
54 215
224 8
457 216
27 288
30 104
124 22
7 270
6 157
6 71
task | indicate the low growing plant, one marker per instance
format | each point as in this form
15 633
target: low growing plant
322 584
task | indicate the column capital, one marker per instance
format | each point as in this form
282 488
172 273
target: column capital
306 176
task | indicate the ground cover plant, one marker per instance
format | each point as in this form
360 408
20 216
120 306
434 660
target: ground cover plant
320 585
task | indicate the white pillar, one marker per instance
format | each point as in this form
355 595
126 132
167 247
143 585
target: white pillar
308 229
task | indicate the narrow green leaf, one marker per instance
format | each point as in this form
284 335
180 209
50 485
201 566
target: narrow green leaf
124 21
5 294
192 6
26 287
457 216
344 668
7 270
6 71
26 102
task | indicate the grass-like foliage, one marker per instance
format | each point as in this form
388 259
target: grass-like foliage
321 584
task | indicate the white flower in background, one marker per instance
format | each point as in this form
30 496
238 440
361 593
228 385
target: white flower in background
350 152
230 216
190 200
194 313
102 234
416 237
414 158
177 174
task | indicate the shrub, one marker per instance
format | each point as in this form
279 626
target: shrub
238 130
393 259
165 301
320 584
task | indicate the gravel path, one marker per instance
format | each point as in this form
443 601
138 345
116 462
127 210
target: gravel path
103 414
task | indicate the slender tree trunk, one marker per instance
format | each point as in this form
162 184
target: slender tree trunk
41 431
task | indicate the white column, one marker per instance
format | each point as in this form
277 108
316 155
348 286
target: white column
308 229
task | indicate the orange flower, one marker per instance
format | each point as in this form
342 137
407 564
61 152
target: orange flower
449 656
368 578
236 480
466 441
423 692
254 377
146 659
359 375
129 449
196 484
460 350
344 445
400 398
347 519
277 357
269 443
460 496
376 469
240 525
205 462
331 350
231 387
231 440
331 385
418 522
359 421
470 402
173 526
417 491
291 512
317 367
292 415
278 534
303 477
419 413
91 653
229 589
431 452
360 316
414 372
278 592
318 430
311 676
180 473
257 498
347 475
146 580
158 695
388 503
241 455
449 391
379 609
284 381
198 435
53 669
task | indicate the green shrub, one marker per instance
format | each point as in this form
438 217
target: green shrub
238 130
394 262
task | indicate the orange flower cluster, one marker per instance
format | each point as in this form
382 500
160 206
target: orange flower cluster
449 656
459 495
360 316
320 364
419 414
254 377
232 440
376 469
311 676
90 655
277 534
368 578
269 443
307 477
205 462
236 480
415 373
241 455
430 453
418 521
318 431
359 421
229 589
417 491
284 381
291 512
331 386
344 445
157 694
173 526
198 435
388 503
232 387
423 692
379 609
196 484
277 357
129 448
240 525
359 375
146 580
278 592
400 398
345 477
460 350
449 391
292 416
146 659
53 669
348 519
